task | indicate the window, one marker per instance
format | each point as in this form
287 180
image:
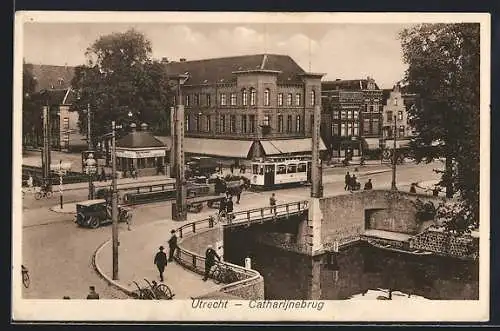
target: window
366 126
343 131
401 131
395 101
297 123
355 114
280 99
209 100
266 121
188 119
232 119
349 114
297 99
289 99
222 123
253 96
343 115
244 97
197 122
267 97
375 126
389 116
197 99
335 114
222 99
349 128
281 169
313 98
209 123
400 115
355 131
233 99
301 167
280 123
252 123
371 108
174 100
366 108
244 123
291 168
335 129
289 123
187 100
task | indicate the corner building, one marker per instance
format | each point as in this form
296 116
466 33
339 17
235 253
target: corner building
248 106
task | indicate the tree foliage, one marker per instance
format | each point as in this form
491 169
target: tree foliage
443 70
31 109
121 78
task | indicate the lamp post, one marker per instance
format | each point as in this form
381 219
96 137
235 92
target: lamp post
393 183
61 169
90 148
114 201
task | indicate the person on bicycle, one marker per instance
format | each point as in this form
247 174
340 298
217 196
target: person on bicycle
210 256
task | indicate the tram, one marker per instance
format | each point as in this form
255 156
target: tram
274 172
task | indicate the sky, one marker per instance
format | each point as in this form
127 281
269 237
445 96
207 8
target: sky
340 51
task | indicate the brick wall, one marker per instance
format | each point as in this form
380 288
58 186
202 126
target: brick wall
446 244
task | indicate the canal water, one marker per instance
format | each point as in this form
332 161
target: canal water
357 270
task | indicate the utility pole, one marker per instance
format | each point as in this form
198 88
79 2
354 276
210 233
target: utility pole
90 148
393 183
316 171
114 203
180 181
45 160
173 140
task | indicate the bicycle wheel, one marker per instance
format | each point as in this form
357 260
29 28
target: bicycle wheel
148 294
216 275
164 292
48 195
38 195
26 279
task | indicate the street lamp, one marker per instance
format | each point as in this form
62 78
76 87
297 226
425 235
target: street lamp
393 183
61 169
90 151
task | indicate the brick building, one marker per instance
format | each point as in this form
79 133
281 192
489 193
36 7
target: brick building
351 117
248 106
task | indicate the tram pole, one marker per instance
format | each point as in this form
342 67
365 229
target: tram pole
316 171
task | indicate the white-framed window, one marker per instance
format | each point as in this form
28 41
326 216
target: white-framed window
298 97
280 123
335 129
252 123
335 115
343 115
289 123
244 123
395 101
355 114
244 97
343 129
289 99
197 122
400 115
280 99
232 122
297 123
402 131
209 99
233 99
266 121
187 100
253 97
223 99
209 123
375 126
222 123
267 97
188 118
389 116
355 131
313 98
349 128
349 114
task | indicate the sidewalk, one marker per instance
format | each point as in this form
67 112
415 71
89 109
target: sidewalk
120 181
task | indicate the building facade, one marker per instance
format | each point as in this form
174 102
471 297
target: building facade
233 104
352 116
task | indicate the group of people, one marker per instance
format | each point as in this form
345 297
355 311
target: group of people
352 184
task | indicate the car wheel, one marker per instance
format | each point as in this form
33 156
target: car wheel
38 195
48 195
93 222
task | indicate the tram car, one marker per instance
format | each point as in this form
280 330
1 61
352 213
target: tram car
275 172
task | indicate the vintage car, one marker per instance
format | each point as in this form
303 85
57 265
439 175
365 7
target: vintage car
94 213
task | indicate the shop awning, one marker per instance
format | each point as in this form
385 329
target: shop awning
372 143
218 147
399 143
285 146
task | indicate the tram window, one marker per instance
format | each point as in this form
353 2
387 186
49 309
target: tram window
281 169
301 167
292 168
255 169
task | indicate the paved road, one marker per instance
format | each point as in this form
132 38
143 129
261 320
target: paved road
58 253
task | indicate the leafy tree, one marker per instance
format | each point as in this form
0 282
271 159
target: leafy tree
443 70
120 78
31 110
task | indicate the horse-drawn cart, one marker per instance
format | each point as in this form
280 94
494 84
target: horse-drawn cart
195 205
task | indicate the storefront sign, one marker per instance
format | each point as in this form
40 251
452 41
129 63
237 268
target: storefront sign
140 154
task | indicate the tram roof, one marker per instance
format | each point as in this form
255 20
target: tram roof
274 159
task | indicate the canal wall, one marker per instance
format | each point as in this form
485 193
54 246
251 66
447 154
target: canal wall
348 216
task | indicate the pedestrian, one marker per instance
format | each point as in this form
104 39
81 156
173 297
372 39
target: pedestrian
231 167
435 191
222 205
103 175
354 183
128 219
93 295
229 206
210 256
368 185
413 188
30 183
172 245
161 261
347 181
238 193
272 203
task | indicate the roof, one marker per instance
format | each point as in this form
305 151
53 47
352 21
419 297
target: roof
221 70
139 139
284 146
351 84
51 76
58 96
90 202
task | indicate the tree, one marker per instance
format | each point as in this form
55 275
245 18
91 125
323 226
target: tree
443 70
120 78
31 109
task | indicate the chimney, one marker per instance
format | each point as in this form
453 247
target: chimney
182 59
144 127
164 60
133 127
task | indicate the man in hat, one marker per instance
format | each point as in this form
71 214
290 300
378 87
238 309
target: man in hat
172 245
210 256
161 262
93 295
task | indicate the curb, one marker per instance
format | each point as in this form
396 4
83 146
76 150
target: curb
58 210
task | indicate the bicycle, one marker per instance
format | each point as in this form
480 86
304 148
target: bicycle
43 194
26 276
224 274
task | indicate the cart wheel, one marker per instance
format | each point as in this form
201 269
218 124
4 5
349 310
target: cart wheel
38 195
148 294
48 194
93 222
165 292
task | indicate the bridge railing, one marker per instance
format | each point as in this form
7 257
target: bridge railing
258 214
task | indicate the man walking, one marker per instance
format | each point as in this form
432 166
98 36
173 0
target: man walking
272 203
210 256
172 245
161 262
222 205
347 181
93 295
